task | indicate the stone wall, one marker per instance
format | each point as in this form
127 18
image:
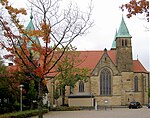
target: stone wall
81 102
122 89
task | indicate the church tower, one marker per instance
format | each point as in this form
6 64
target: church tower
123 49
34 39
31 27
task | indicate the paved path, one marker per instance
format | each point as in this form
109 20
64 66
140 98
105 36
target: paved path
114 113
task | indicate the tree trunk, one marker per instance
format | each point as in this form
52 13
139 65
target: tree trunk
31 106
40 101
63 96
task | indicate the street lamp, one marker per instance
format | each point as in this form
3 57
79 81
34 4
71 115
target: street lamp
21 96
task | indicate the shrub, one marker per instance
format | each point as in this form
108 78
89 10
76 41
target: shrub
65 108
23 114
62 108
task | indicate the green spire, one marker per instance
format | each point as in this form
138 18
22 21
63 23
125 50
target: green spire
29 28
31 17
114 42
30 25
123 30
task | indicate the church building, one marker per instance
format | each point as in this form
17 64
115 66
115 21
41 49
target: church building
114 77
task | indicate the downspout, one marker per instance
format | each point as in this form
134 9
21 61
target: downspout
148 85
91 92
143 88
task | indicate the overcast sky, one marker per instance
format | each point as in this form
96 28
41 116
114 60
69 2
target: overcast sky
107 18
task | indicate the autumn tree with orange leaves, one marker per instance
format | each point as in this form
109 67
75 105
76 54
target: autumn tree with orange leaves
135 7
54 27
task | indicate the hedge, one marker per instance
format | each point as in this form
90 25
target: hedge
23 114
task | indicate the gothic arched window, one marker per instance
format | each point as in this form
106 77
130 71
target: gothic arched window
136 83
105 82
81 86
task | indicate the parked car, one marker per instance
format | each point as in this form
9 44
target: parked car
135 105
148 105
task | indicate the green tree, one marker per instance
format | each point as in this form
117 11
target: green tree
7 98
30 94
56 94
68 72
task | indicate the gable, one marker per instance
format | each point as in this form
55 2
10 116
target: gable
107 60
90 59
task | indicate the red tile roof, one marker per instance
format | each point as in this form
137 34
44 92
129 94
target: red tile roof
138 67
89 60
112 55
